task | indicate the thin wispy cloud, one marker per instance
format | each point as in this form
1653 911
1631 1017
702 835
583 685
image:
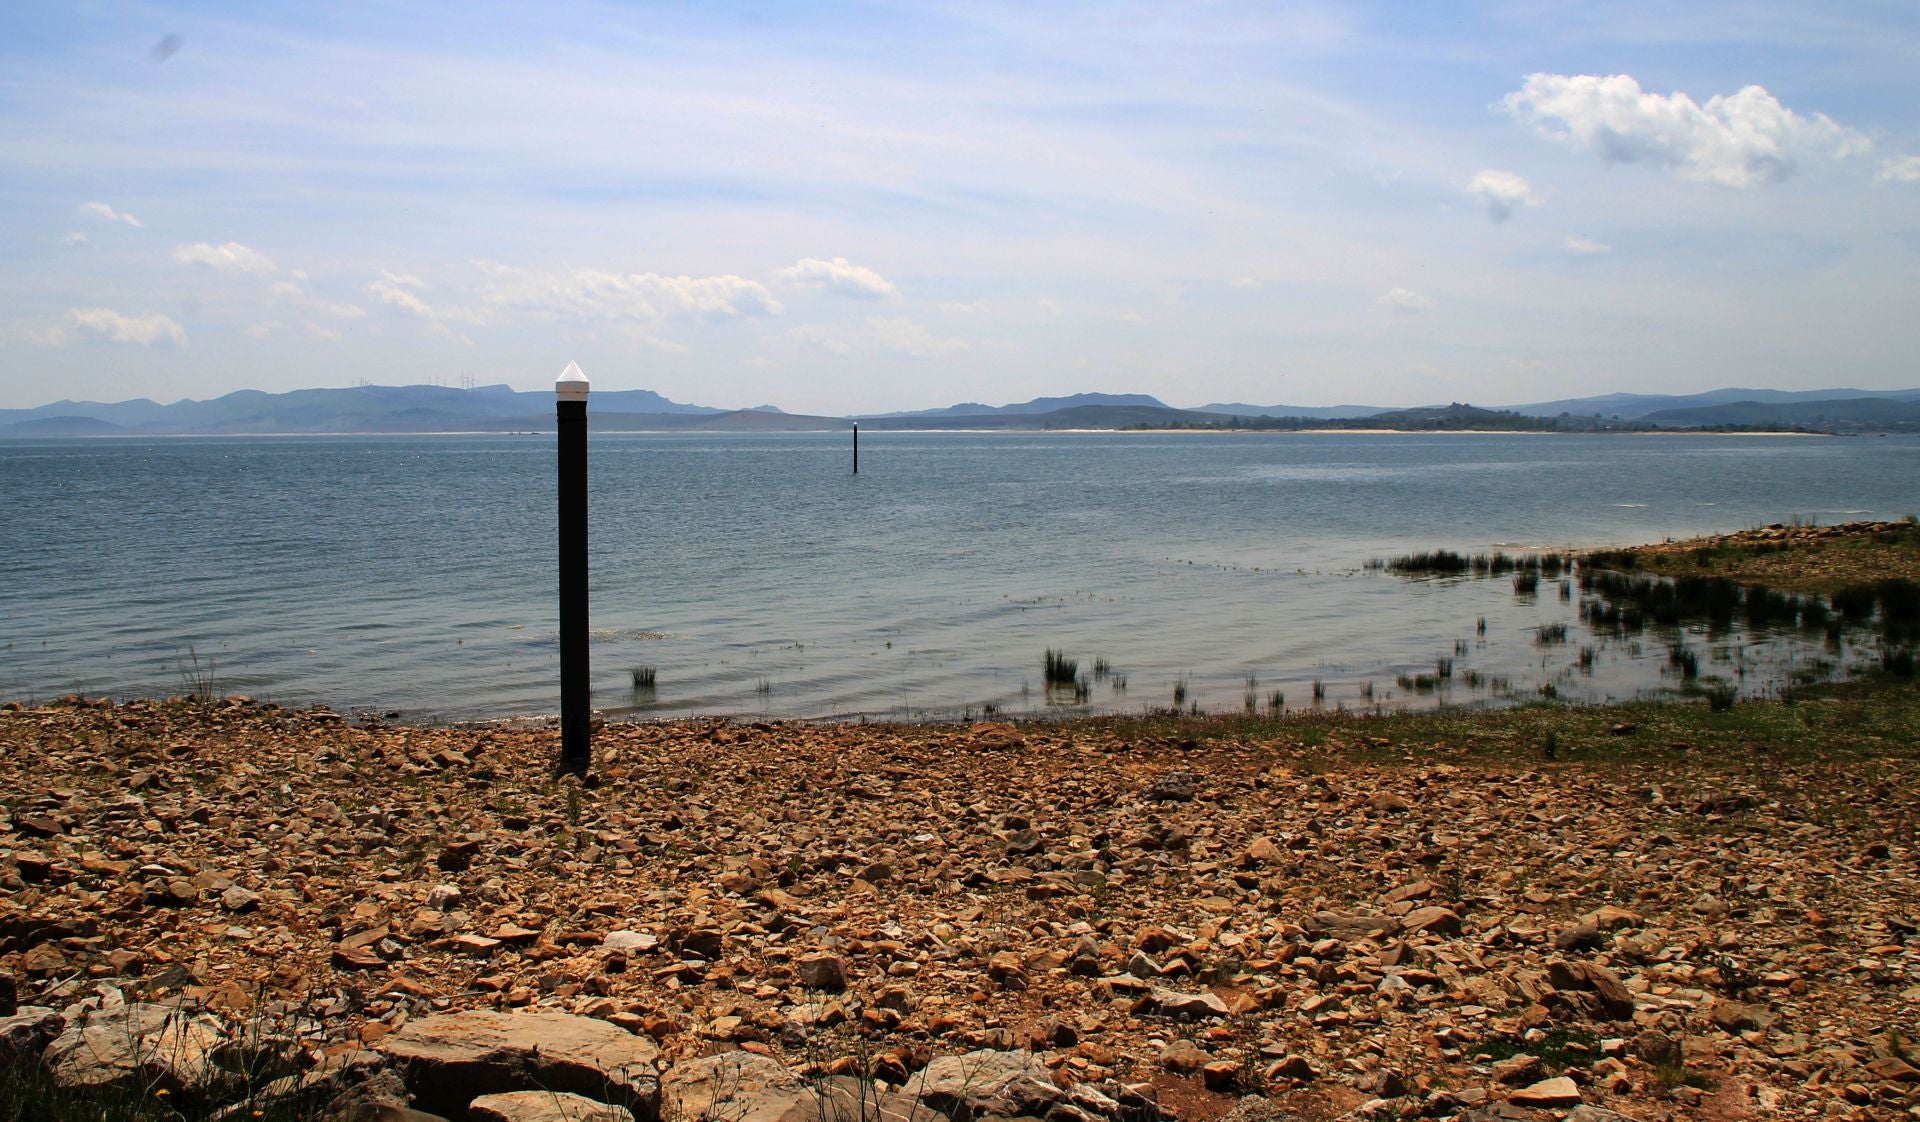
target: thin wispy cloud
107 214
1405 300
231 257
1903 169
1574 243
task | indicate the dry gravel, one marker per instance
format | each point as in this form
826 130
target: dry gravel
1449 933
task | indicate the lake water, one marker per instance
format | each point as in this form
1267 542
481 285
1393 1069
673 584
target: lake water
757 575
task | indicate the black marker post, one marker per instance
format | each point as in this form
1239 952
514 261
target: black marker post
576 691
856 448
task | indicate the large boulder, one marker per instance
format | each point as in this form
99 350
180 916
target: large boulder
1006 1084
450 1060
154 1046
743 1087
25 1033
544 1106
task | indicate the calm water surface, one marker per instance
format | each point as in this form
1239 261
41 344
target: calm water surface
758 576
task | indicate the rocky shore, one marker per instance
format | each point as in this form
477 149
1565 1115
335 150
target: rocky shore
1667 917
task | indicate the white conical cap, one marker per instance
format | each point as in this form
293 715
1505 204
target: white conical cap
571 385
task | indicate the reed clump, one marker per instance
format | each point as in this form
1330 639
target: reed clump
1059 670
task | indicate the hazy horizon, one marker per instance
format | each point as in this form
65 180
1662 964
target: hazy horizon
897 206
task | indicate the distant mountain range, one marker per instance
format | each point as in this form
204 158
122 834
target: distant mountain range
405 409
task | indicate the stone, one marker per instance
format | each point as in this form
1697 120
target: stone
137 1044
1293 1066
239 900
1173 787
26 1032
9 995
1578 937
635 942
822 972
1616 1002
544 1106
1595 1114
1519 1069
1008 1084
451 1058
1434 920
1548 1093
1184 1057
1350 926
1163 1002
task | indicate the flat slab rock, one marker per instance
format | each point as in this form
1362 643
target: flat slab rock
450 1060
1008 1084
544 1106
153 1045
744 1087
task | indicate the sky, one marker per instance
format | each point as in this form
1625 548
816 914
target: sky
862 207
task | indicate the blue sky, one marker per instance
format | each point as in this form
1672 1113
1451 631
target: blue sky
858 207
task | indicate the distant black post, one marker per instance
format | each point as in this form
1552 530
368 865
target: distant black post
576 690
856 448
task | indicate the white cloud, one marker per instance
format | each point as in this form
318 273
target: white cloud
231 257
74 237
910 338
1503 192
1577 244
1404 300
1254 283
597 294
144 330
1735 140
840 277
263 330
394 296
34 334
294 294
403 280
1903 169
106 213
324 334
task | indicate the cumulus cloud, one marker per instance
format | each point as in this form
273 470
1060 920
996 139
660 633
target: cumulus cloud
1254 283
598 294
323 334
145 331
1404 300
1502 192
229 258
74 237
1742 139
840 277
107 214
263 330
1577 244
1904 169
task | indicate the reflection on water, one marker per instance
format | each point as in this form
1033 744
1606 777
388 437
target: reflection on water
755 575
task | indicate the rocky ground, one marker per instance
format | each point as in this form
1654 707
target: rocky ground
1658 912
